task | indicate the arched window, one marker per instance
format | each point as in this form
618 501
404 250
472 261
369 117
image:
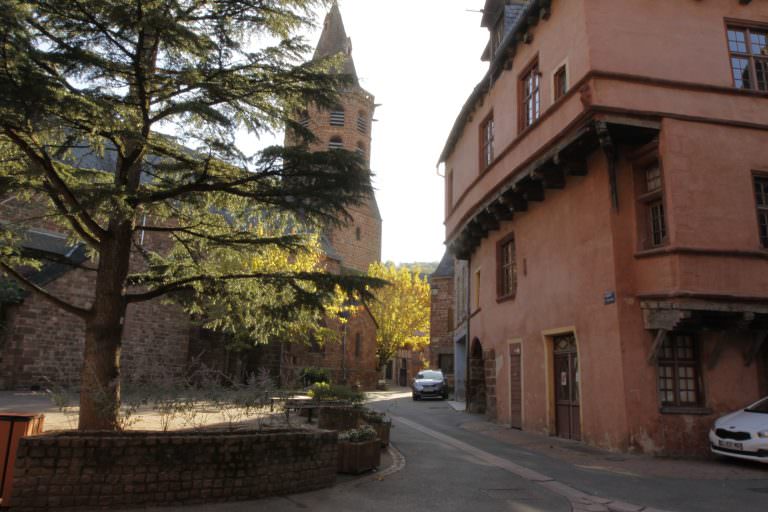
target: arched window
337 116
336 143
362 122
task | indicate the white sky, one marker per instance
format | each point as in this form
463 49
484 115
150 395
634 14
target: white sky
421 59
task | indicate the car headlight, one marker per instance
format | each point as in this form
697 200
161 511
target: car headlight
763 434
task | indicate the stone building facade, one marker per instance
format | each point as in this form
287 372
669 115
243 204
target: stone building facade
40 343
606 192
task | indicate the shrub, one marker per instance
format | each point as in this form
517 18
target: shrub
358 435
374 417
312 375
323 391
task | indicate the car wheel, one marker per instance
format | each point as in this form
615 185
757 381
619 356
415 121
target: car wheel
415 397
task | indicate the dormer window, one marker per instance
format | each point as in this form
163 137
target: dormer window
337 117
497 35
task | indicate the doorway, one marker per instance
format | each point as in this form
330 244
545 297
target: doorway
567 395
515 386
403 374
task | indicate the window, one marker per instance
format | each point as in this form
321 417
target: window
506 268
761 195
462 300
445 363
358 345
653 221
530 104
486 142
337 117
358 234
749 57
497 35
360 149
678 364
449 192
336 143
561 83
362 122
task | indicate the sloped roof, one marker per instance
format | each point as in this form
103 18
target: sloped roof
334 41
445 268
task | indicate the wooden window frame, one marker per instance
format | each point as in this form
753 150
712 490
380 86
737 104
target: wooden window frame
487 154
676 363
761 209
560 87
647 201
747 28
501 293
523 98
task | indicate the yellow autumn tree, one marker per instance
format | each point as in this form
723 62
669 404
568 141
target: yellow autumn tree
401 310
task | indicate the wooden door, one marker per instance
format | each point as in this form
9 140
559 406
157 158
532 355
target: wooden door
567 393
515 386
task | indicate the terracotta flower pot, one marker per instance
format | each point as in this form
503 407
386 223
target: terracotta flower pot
356 458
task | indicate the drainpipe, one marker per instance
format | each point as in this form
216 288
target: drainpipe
468 348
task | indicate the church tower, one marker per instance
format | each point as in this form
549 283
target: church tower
350 248
347 125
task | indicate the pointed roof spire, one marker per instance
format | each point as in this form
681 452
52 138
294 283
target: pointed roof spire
334 40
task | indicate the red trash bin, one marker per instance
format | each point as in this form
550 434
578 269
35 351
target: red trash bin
12 428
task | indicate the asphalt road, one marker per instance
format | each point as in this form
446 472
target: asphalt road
450 468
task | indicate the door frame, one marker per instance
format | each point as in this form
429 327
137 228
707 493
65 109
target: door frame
508 363
547 338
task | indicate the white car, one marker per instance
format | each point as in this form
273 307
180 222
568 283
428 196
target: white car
742 434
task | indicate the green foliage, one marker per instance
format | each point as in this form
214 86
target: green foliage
90 90
358 435
311 375
323 391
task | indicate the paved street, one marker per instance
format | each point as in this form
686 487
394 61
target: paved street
458 462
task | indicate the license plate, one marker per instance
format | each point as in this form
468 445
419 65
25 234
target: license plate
731 445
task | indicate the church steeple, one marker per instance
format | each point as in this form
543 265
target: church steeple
334 41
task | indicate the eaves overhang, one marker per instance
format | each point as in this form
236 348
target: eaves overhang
551 170
534 11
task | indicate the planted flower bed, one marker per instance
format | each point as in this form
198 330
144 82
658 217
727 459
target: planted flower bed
81 471
379 422
359 451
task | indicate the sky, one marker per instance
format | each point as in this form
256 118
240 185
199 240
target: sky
421 59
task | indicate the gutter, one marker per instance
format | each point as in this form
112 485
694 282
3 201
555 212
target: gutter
497 66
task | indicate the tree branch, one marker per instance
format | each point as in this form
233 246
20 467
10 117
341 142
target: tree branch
59 187
26 283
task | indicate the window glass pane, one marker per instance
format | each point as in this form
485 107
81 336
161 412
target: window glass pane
737 41
759 43
761 74
741 73
653 179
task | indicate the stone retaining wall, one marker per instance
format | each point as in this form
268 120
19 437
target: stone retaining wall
71 471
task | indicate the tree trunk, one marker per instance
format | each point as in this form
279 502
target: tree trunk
100 377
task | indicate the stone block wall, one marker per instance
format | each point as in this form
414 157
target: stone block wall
490 384
72 471
441 321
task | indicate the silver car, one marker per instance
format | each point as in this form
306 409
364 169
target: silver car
742 434
429 383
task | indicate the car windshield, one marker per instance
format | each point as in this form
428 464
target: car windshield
761 407
429 375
